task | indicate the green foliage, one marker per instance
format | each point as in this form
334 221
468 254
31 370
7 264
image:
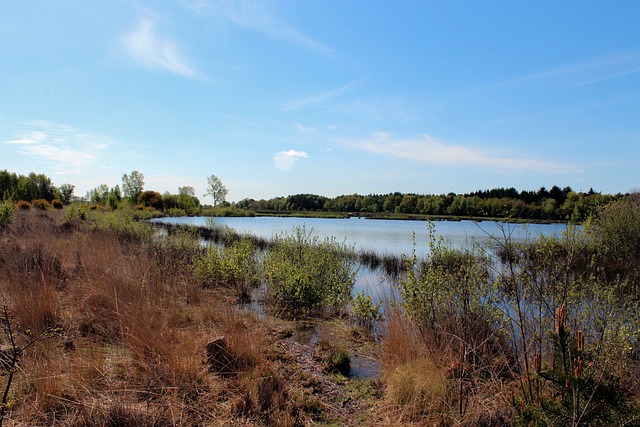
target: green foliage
6 213
574 386
216 189
123 224
365 312
553 205
66 193
132 185
75 213
452 283
227 211
234 266
615 228
304 274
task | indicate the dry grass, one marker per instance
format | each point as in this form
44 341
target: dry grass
428 384
130 335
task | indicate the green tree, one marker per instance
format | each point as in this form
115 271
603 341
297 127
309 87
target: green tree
66 193
132 185
216 189
186 191
99 195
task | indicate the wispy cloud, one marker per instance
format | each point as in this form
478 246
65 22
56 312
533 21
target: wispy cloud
582 73
285 159
429 150
151 50
63 147
320 97
256 15
304 129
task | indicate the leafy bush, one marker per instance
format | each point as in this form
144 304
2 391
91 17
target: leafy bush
40 204
364 310
6 214
615 228
304 274
24 205
452 284
235 266
57 204
122 224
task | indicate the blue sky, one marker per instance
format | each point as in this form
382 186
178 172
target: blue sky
323 96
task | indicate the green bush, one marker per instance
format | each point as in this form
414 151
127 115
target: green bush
304 274
235 266
75 214
615 228
124 225
365 312
6 214
451 284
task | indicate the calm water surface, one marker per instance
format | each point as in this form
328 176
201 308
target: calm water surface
384 236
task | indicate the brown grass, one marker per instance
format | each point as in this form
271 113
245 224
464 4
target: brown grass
428 384
130 334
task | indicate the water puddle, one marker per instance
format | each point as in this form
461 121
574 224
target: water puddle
364 367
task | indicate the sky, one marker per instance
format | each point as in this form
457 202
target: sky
328 97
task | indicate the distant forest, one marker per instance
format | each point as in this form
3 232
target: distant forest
555 204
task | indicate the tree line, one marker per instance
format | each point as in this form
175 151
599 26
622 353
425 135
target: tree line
39 187
557 204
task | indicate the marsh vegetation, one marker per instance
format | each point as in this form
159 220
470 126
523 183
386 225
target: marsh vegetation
109 321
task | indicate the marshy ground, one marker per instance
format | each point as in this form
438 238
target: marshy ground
107 322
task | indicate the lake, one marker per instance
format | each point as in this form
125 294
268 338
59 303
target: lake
383 236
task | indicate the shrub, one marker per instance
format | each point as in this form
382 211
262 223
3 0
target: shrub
57 204
365 312
6 214
576 388
304 274
41 204
123 225
75 213
24 205
615 228
235 266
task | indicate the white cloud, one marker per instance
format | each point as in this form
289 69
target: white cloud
63 147
430 150
285 159
153 51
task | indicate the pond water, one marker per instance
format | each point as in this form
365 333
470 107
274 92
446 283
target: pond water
394 237
383 236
